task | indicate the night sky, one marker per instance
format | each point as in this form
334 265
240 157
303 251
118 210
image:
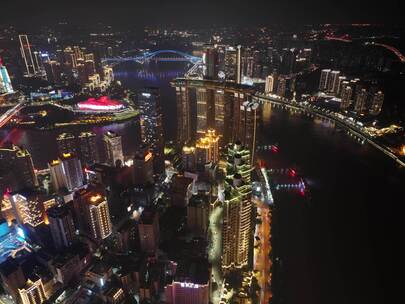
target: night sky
203 13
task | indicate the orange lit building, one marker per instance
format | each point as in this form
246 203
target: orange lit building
93 207
207 148
33 292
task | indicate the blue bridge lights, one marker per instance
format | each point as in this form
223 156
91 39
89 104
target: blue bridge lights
156 55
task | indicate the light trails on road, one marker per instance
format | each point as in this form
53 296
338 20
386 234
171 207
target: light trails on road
262 250
7 116
214 251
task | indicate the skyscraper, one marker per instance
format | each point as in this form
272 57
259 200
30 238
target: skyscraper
198 213
70 57
183 110
323 82
26 54
239 64
207 149
339 86
287 61
347 93
246 132
27 209
5 82
282 86
17 169
53 70
143 167
97 215
235 196
152 125
66 172
361 100
66 143
61 226
333 81
148 227
90 67
232 64
285 86
113 148
181 190
221 110
81 72
188 158
377 102
57 175
269 86
210 61
33 292
78 52
204 106
219 106
38 61
247 62
88 148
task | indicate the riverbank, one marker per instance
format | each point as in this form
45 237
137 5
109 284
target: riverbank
337 118
78 119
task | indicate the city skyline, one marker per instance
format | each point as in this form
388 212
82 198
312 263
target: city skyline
201 13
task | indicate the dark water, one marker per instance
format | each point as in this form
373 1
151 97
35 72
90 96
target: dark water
342 246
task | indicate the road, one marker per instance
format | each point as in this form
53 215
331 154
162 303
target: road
7 116
262 262
214 251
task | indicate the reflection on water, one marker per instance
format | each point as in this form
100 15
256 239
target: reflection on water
338 238
148 75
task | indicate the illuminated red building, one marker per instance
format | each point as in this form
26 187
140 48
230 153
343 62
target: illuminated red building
101 104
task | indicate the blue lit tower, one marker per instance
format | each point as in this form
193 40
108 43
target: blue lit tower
5 82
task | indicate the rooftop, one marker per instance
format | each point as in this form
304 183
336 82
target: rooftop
58 211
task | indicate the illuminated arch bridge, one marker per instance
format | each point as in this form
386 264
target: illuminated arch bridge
160 55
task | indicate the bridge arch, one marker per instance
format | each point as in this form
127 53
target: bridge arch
147 56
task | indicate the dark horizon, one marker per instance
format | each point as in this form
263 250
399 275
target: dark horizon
204 13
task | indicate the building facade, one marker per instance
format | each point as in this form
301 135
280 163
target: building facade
113 148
